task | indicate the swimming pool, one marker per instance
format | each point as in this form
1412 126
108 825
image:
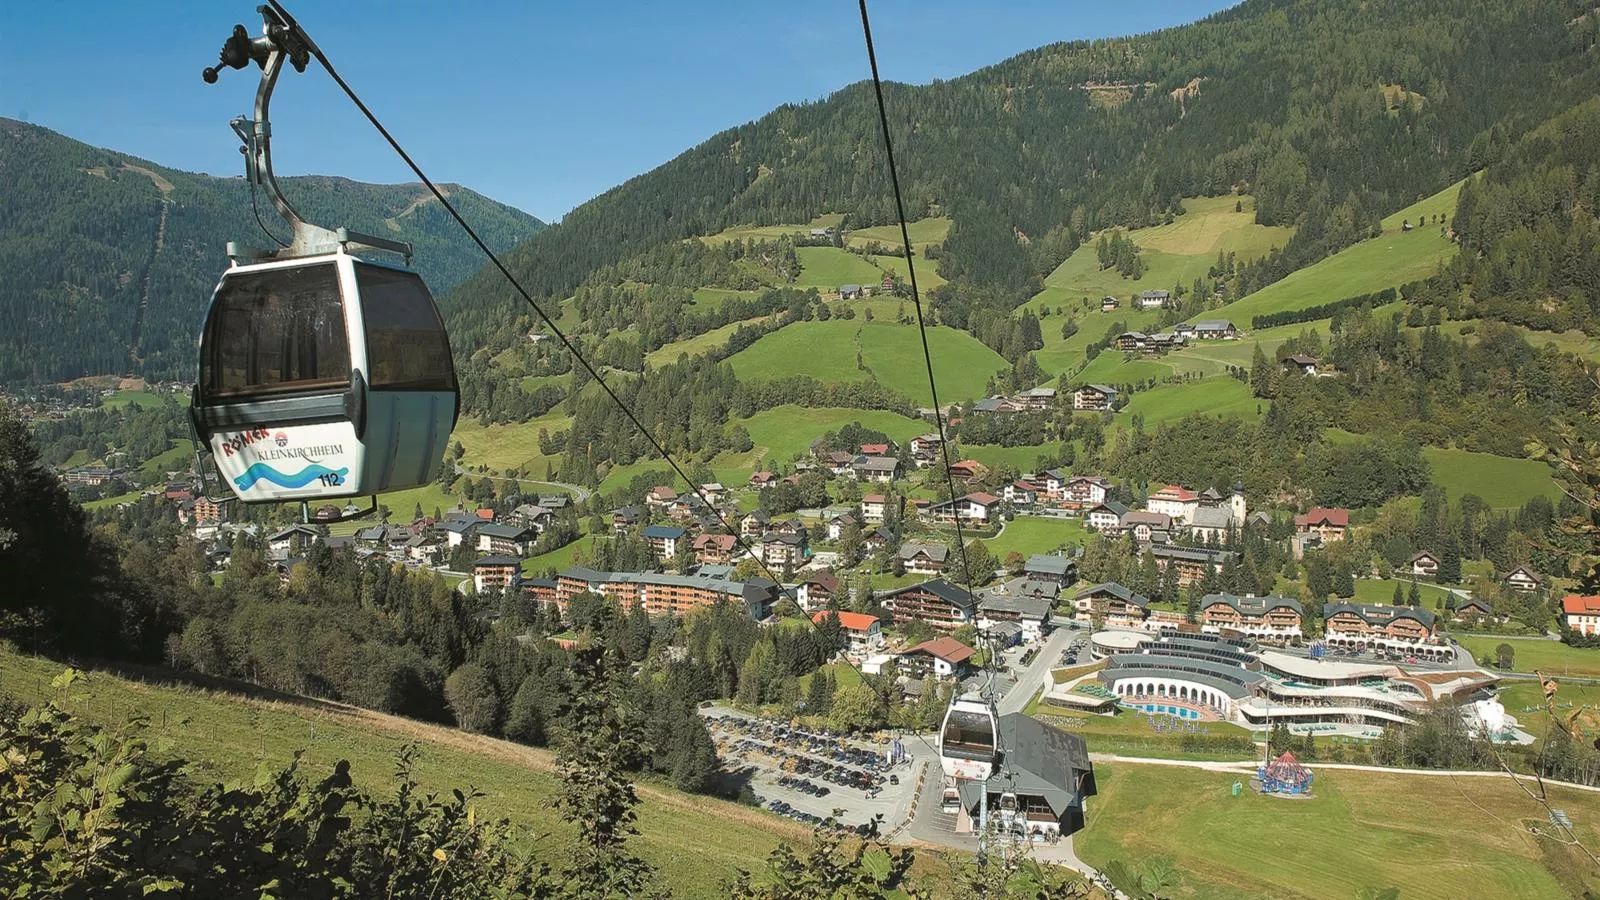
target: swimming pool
1181 712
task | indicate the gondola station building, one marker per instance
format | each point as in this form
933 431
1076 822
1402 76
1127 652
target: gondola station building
1042 777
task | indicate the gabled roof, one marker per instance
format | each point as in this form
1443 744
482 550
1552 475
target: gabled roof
874 449
1423 554
1252 606
1318 515
293 529
1194 554
825 580
1040 761
877 463
1213 325
723 541
1526 573
944 590
936 552
1175 492
1379 615
1116 590
497 561
662 492
1048 564
1459 603
1106 389
874 498
1111 506
982 498
665 532
946 648
1580 605
1299 360
1211 517
1021 604
1143 517
850 621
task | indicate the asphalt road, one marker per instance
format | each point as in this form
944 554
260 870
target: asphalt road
1033 678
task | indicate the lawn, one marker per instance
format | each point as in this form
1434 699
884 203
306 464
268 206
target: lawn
1428 836
130 497
890 353
1020 458
1388 260
1215 356
773 232
1549 657
1381 590
696 841
1503 482
825 268
786 432
1028 535
1218 395
1068 354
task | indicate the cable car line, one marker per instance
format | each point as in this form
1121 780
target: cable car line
302 40
977 748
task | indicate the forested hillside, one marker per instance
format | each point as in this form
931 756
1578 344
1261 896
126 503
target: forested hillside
1331 114
107 261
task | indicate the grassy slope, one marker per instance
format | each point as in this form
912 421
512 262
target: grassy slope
694 346
696 841
825 268
1021 458
1502 481
1173 254
893 353
1381 590
1214 396
1389 260
1430 837
502 447
787 431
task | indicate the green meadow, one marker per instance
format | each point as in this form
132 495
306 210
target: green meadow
1501 481
786 432
1388 260
825 268
1218 395
891 355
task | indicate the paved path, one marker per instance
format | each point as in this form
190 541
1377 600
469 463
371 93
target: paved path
1032 679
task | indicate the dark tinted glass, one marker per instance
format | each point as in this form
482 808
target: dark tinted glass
279 331
968 731
406 344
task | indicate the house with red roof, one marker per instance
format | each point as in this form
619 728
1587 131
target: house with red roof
874 449
714 548
864 632
661 497
1581 613
969 469
1175 501
874 507
1327 525
944 656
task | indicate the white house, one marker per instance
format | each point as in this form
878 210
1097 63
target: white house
1175 501
1581 613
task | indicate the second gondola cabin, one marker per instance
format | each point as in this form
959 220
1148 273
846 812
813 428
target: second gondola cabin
322 377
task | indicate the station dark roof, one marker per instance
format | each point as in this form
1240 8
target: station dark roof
1037 760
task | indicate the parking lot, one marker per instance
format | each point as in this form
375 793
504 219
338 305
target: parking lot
807 776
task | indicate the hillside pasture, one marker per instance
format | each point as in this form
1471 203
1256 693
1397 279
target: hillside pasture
890 353
698 345
923 232
786 432
825 268
1381 591
928 276
1173 254
1389 260
1219 396
1503 482
1361 830
511 446
1020 458
1115 367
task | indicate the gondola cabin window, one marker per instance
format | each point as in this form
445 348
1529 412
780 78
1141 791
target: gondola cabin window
278 331
407 349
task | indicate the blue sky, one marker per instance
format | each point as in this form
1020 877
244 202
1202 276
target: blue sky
540 105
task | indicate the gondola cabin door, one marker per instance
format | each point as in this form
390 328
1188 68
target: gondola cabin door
324 377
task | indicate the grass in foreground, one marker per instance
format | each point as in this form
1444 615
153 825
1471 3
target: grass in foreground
696 841
1430 836
786 432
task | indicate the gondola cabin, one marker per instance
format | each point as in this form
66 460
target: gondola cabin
968 739
322 377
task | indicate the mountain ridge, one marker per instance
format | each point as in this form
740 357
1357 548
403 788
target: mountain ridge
107 260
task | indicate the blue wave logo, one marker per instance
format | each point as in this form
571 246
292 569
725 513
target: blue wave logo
262 472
